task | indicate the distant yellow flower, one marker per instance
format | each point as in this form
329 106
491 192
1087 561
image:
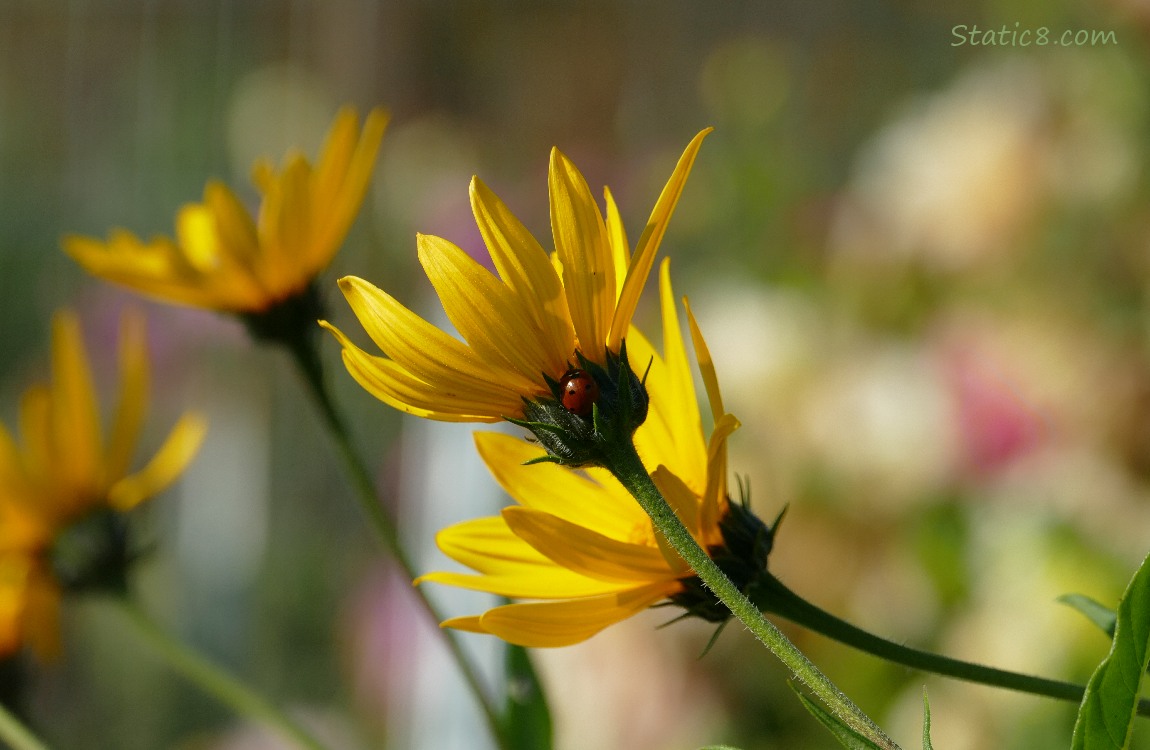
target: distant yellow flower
222 259
522 326
63 470
578 540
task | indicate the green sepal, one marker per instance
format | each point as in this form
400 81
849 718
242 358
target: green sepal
574 440
95 554
747 543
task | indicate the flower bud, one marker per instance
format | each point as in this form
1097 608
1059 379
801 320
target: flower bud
592 410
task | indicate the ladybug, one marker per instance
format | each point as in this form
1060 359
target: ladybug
579 392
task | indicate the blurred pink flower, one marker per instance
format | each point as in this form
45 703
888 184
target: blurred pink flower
997 422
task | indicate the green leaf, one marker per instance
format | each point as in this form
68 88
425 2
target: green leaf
526 717
1106 717
719 747
1099 614
846 736
925 722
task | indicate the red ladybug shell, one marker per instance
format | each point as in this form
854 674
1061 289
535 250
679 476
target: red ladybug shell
579 392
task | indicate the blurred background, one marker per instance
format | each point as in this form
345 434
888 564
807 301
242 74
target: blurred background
921 267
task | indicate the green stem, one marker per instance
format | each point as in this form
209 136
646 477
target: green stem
306 356
215 681
773 596
15 734
624 463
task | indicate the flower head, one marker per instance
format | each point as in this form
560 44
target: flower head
523 328
224 259
577 541
66 469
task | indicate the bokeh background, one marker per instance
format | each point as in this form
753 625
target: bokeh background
921 267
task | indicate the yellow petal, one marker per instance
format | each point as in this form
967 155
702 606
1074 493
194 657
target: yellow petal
335 155
169 462
551 624
263 175
581 244
431 355
395 386
644 258
525 268
715 497
36 431
133 399
679 496
468 624
487 545
555 489
339 188
157 269
585 551
552 582
706 364
683 421
15 572
75 416
617 237
198 239
235 230
486 312
285 227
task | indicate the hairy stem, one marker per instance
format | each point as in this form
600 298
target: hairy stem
773 596
624 463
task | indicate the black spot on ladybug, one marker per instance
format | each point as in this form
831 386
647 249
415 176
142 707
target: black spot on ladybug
579 392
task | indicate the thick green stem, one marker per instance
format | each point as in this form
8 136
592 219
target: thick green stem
627 467
15 734
304 353
215 681
773 596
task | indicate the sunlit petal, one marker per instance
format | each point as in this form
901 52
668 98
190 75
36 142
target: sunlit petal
524 266
586 551
706 364
486 312
552 624
391 383
430 354
617 238
581 244
555 489
644 257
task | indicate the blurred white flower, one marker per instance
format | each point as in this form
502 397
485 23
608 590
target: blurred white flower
956 181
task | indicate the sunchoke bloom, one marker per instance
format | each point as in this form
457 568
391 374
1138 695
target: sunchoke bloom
526 332
579 544
224 259
66 470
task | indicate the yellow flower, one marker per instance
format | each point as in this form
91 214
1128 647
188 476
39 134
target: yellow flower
64 470
222 259
522 326
577 539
